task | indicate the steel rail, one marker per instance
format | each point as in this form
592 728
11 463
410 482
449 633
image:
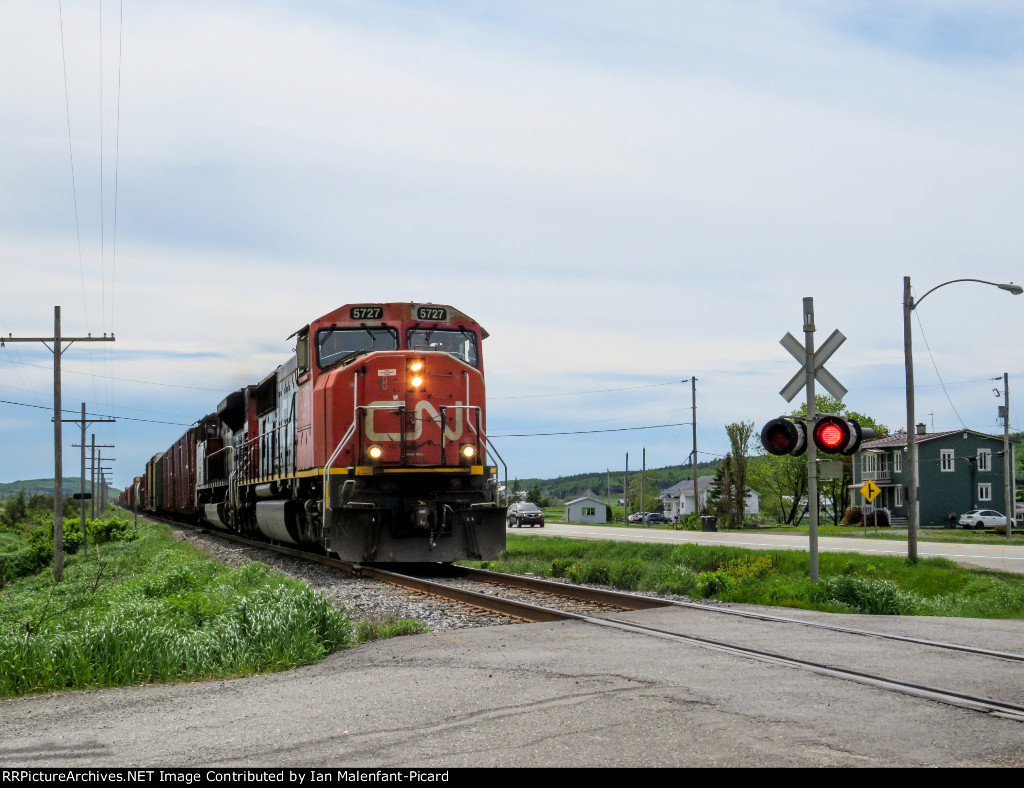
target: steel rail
538 614
623 599
998 708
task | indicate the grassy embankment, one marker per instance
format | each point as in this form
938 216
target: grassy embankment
850 583
152 609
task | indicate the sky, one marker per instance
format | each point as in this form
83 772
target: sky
625 195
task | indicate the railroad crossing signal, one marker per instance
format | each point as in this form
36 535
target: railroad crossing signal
831 435
870 490
817 361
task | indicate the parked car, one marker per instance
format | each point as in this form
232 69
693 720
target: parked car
525 513
636 517
656 517
982 518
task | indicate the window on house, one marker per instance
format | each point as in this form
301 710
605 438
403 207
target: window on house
869 464
984 492
897 462
897 497
946 459
984 459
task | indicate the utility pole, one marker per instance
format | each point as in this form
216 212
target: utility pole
643 485
625 492
693 405
1009 472
103 479
92 492
58 459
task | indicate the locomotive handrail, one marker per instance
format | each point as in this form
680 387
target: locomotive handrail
330 462
337 449
444 425
491 445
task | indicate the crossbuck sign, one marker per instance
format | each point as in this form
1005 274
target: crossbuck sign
816 364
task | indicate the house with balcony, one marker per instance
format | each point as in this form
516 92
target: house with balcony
678 501
958 470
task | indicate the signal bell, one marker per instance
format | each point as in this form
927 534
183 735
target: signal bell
782 436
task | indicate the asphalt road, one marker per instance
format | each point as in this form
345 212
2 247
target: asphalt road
1004 558
563 694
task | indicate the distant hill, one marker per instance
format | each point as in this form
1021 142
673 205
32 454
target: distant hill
45 487
568 487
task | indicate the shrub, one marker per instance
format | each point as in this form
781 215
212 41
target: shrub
20 563
871 595
878 518
626 574
673 580
853 516
690 523
711 583
560 566
758 568
113 529
596 572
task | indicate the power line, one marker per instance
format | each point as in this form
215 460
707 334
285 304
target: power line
936 367
98 415
123 380
593 391
589 432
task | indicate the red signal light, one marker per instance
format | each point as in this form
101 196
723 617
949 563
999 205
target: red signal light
830 437
836 435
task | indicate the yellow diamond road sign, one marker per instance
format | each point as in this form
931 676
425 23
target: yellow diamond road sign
870 490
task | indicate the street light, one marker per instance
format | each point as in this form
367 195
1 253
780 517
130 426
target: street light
909 305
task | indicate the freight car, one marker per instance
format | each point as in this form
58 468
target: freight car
369 442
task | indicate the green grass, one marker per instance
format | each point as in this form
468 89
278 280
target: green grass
850 583
951 535
155 610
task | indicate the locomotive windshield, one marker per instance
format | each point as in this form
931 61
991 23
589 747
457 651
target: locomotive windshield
337 344
458 342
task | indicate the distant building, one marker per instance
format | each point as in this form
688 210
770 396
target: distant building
586 510
958 471
678 500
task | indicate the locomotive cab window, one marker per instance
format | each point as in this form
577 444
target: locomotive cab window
460 343
337 344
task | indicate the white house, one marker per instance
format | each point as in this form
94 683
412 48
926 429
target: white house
678 499
586 510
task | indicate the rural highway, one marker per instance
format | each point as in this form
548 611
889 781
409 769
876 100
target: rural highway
1005 558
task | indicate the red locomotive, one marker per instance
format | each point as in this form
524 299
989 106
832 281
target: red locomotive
368 442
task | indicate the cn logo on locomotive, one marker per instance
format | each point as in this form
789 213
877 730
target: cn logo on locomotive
450 433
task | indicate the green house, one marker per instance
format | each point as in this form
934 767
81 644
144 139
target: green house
958 471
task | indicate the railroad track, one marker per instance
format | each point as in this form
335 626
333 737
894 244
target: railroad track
601 602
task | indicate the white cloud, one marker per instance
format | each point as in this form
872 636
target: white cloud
642 192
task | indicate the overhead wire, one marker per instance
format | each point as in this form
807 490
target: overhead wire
71 154
589 432
97 415
592 391
937 373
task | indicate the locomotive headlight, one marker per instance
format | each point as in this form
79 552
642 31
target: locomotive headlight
417 369
467 453
375 452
